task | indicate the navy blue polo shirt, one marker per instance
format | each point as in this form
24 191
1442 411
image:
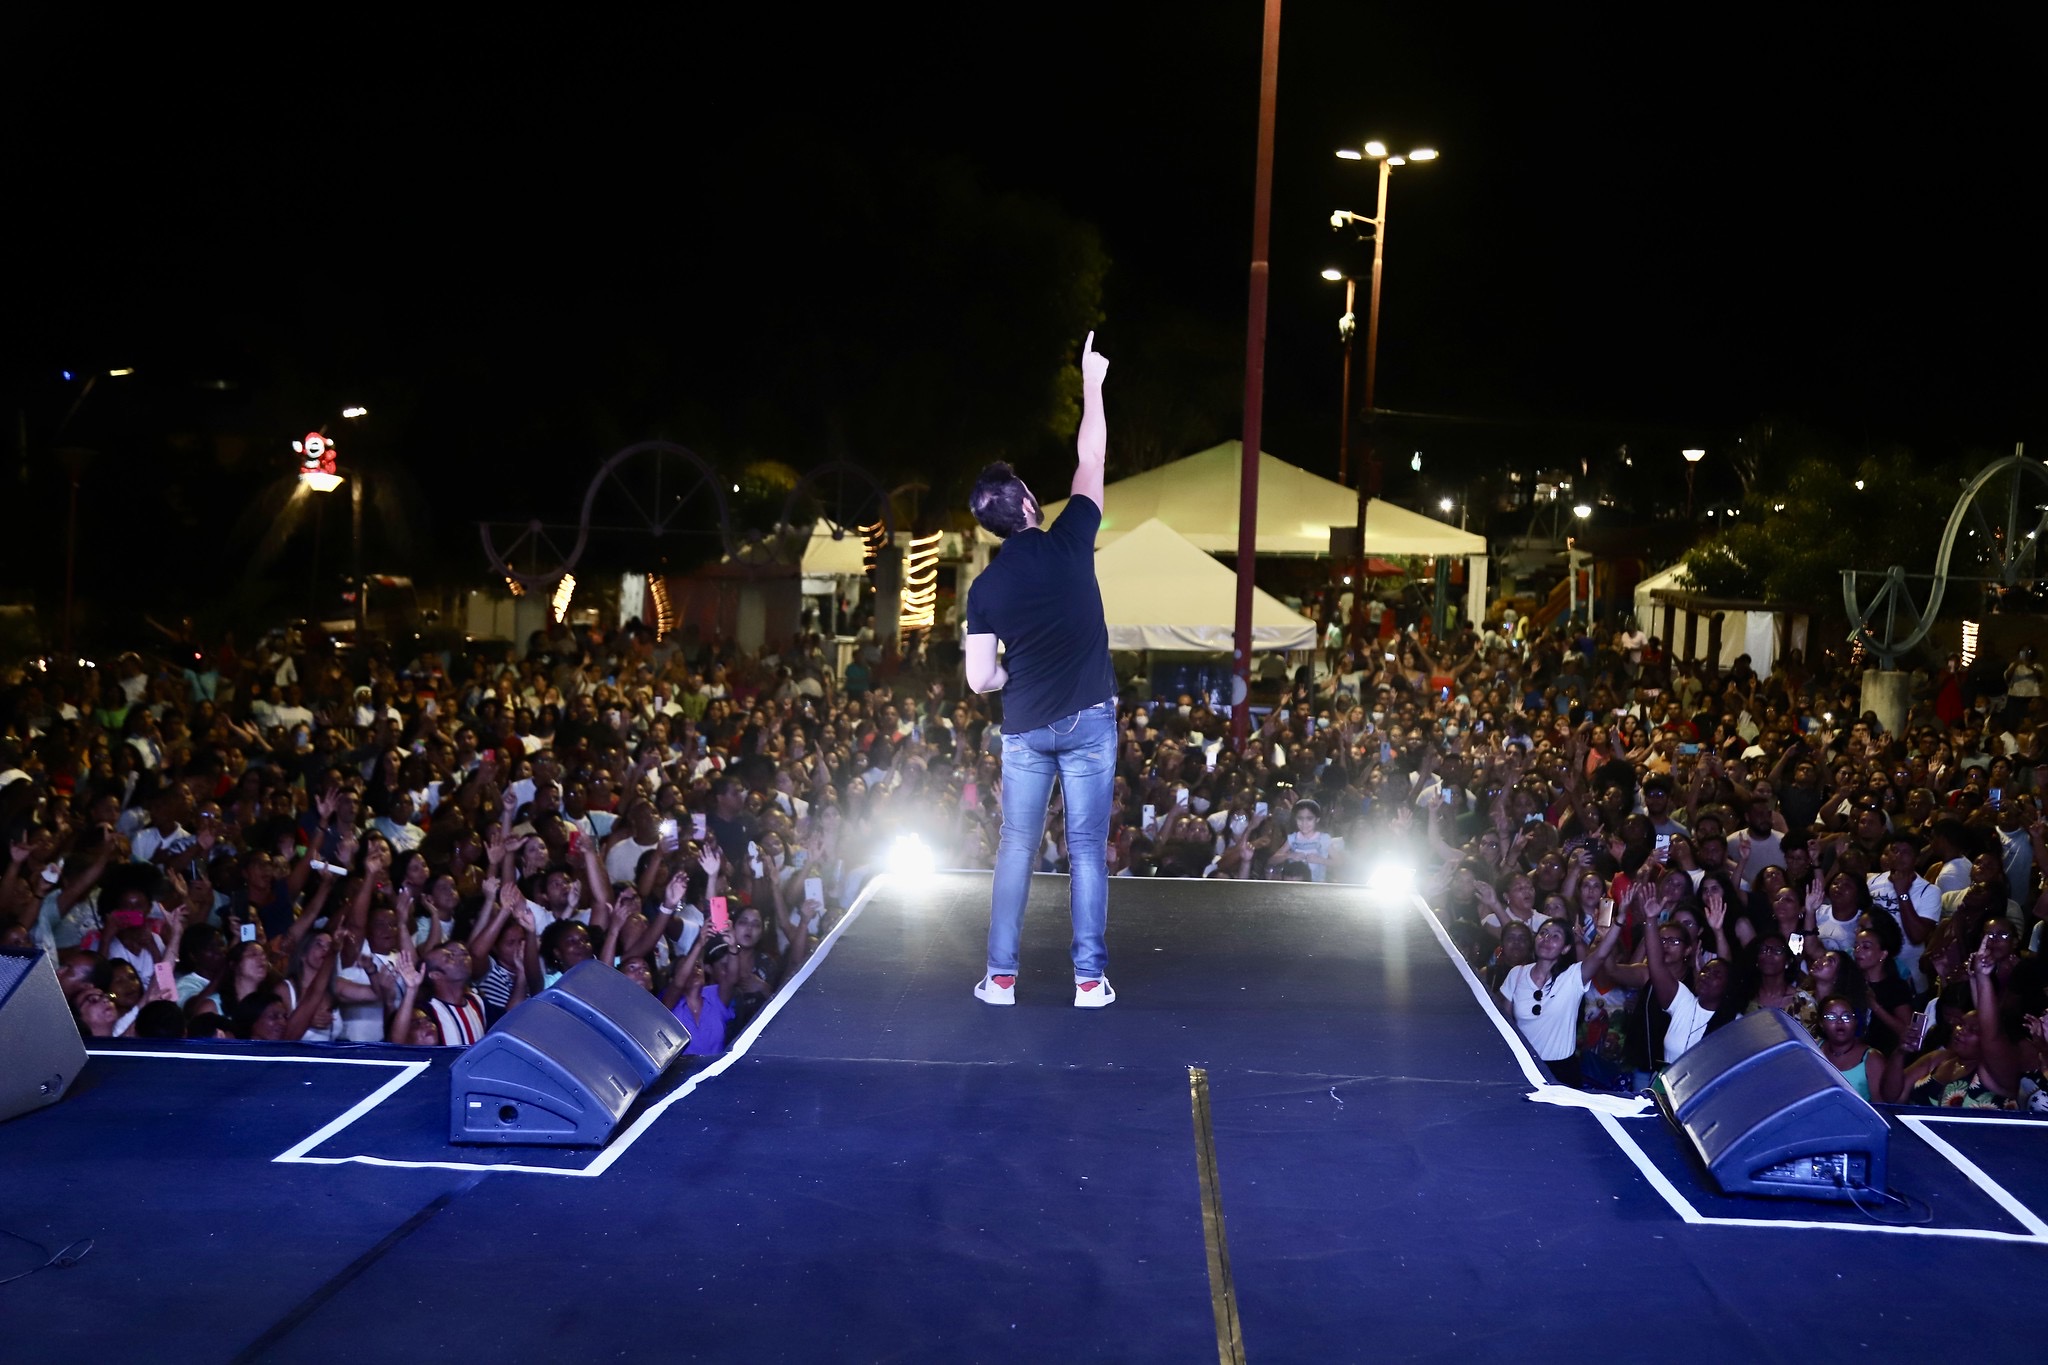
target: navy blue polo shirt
1041 600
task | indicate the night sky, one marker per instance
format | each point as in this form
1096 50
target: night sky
525 246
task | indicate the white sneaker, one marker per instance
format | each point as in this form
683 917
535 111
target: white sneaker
996 990
1094 994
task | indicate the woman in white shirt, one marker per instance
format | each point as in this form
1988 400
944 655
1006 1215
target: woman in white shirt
1545 994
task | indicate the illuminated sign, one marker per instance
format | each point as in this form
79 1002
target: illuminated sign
316 463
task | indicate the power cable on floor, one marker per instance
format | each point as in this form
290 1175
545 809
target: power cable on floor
65 1257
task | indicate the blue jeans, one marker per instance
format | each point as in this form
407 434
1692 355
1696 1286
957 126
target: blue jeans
1080 750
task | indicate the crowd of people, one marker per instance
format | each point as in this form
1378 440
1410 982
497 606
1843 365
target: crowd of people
309 844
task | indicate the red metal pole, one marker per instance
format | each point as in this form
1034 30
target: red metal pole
1254 383
1369 463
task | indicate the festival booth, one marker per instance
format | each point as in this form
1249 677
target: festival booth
1197 497
1693 625
1159 592
1167 600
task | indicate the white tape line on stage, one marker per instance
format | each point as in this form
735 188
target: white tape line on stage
1683 1207
296 1154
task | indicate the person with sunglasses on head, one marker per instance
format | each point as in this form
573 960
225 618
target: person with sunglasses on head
1553 986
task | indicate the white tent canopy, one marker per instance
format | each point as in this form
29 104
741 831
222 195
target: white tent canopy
824 555
1197 497
1755 630
1160 592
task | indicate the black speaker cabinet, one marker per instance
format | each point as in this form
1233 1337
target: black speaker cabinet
648 1035
543 1077
40 1050
1768 1114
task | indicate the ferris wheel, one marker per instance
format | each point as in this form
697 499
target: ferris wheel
1993 536
650 488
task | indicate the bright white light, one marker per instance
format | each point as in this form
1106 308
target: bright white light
908 857
1390 881
355 412
1859 485
921 582
1375 149
1444 503
1397 161
1581 511
1416 463
1332 274
118 373
1347 580
1693 456
1423 154
735 488
1346 154
1777 507
319 482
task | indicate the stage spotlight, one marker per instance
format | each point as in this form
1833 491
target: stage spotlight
1390 881
909 857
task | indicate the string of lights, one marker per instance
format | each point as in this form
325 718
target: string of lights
921 581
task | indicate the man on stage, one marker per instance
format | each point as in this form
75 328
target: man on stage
1039 599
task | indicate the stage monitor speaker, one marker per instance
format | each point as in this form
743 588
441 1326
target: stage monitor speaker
542 1077
41 1053
1767 1114
648 1035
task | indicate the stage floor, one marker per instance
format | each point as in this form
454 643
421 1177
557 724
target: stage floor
887 1170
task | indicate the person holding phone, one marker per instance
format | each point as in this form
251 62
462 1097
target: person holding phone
1039 600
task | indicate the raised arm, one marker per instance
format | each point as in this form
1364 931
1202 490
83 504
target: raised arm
2001 1055
1092 445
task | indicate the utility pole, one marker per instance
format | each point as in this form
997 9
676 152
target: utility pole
1254 385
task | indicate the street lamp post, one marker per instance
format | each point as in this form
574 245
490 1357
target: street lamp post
1692 462
1573 557
1347 328
1369 481
320 474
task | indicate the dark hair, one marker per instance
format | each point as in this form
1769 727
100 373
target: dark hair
198 939
1884 929
1000 501
1820 1007
207 1025
160 1019
1953 832
249 1009
551 941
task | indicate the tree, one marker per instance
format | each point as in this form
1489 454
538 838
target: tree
1797 533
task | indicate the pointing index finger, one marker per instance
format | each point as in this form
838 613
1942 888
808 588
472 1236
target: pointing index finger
1088 346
